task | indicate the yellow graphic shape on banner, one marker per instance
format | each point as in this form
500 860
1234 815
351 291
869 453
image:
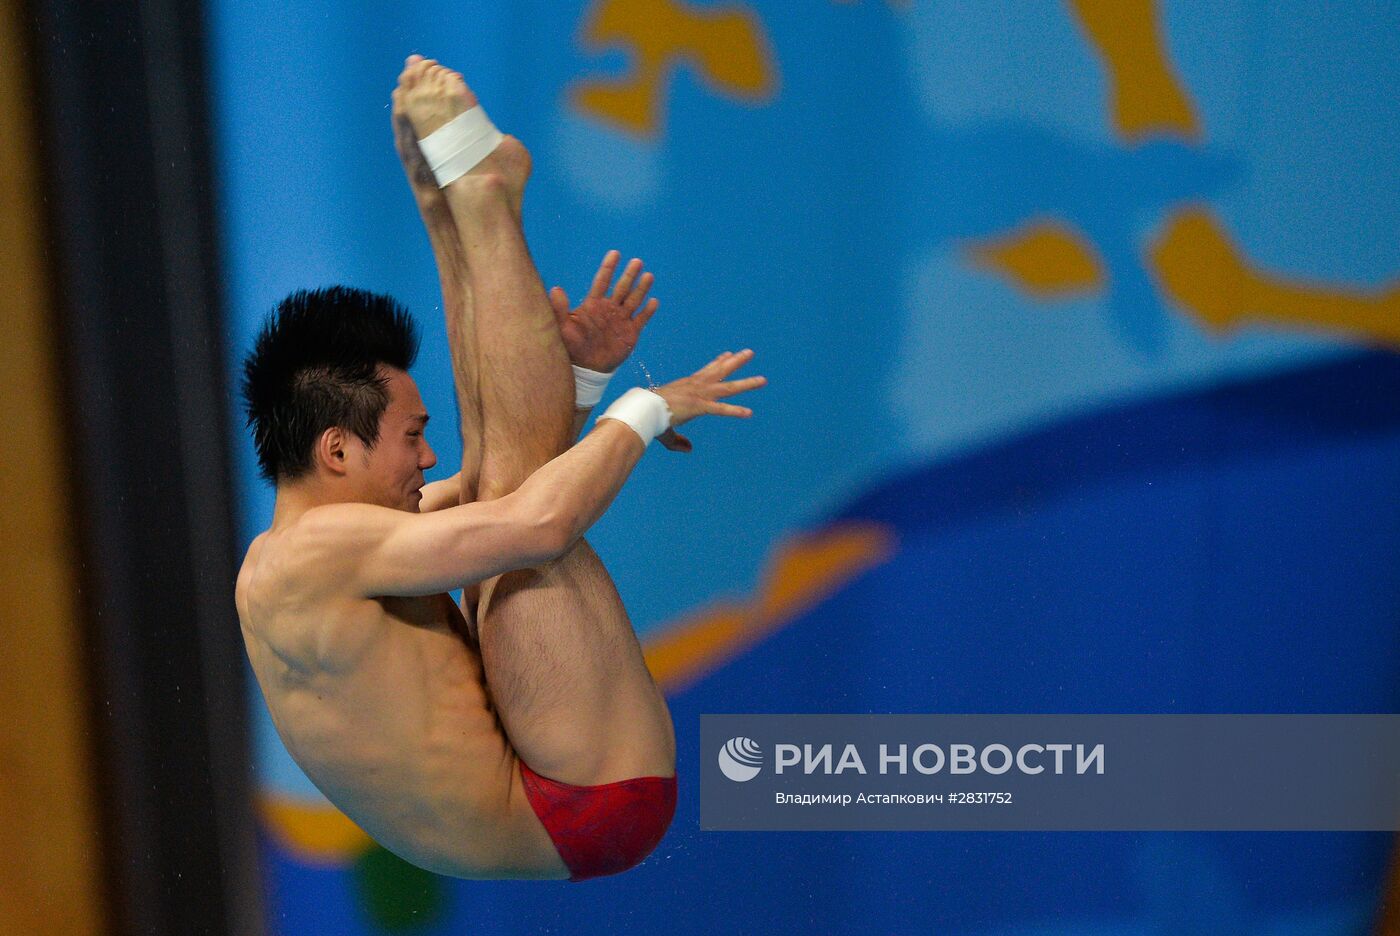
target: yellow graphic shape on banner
1144 95
1046 258
314 833
1204 272
800 575
726 45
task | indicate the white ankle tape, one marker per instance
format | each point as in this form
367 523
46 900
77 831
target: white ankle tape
455 148
589 386
645 412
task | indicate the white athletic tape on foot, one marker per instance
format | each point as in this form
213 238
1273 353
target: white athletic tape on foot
589 386
646 413
458 146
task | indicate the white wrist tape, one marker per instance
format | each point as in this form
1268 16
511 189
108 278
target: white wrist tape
455 148
589 386
645 412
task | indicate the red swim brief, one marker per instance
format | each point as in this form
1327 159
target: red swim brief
602 829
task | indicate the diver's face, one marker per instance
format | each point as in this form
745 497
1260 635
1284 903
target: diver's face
394 467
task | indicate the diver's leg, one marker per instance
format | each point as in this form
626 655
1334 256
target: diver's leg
457 302
562 662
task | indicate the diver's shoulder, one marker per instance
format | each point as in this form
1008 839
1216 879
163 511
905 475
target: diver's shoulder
335 523
317 552
285 555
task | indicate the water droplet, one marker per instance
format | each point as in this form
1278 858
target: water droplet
651 384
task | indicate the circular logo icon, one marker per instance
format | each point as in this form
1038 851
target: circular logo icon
740 759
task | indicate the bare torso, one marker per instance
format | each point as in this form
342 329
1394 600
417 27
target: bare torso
383 704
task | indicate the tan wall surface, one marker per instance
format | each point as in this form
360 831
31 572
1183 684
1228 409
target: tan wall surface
49 846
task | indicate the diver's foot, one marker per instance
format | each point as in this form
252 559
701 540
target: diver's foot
429 95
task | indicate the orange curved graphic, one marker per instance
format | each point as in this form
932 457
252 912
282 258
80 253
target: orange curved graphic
1201 270
1144 95
726 45
314 833
1046 258
800 575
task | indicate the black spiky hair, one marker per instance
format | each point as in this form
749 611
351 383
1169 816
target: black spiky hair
315 364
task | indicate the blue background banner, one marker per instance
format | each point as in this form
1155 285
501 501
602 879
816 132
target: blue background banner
1080 319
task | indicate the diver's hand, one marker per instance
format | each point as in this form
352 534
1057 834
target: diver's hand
603 330
700 393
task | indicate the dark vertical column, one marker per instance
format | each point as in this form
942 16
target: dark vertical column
125 127
1388 918
52 851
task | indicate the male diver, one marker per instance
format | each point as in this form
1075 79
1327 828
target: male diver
520 735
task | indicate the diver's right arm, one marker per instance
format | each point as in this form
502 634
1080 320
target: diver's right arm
377 551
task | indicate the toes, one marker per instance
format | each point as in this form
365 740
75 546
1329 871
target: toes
414 69
427 75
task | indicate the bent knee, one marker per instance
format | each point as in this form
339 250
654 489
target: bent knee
493 486
562 569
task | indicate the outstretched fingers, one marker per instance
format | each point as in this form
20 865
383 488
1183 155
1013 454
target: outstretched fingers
629 276
743 385
630 291
644 316
633 302
727 363
701 392
714 365
720 368
604 276
730 389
